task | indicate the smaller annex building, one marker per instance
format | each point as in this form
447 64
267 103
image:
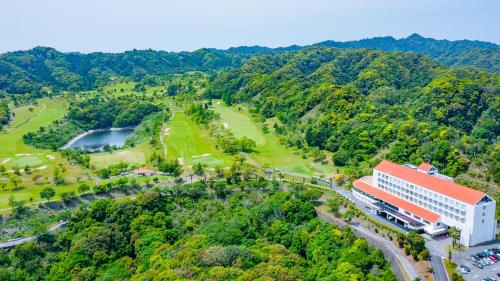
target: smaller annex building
144 172
422 199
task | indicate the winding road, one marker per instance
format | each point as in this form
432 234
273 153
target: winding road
15 242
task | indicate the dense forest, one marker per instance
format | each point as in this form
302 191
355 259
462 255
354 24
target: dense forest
364 105
33 70
453 53
85 114
201 231
4 113
42 70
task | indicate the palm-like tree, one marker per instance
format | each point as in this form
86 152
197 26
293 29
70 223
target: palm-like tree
454 232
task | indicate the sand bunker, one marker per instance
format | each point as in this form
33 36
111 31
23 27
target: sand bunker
203 155
6 160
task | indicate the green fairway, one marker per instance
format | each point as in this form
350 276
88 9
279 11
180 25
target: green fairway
191 144
134 155
23 160
240 123
14 153
269 152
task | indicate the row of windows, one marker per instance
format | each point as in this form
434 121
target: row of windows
423 197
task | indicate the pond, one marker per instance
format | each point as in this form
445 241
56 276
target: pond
96 140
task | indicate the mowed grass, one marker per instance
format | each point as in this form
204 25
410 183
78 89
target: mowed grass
133 155
14 152
191 144
241 124
269 152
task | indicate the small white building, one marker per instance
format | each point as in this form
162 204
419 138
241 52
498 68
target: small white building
422 199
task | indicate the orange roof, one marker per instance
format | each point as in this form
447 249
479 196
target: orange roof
448 188
144 171
362 184
425 166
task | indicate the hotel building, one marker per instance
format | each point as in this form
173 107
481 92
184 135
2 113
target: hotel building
422 199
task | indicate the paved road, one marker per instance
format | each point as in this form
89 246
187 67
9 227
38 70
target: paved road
13 243
366 233
438 268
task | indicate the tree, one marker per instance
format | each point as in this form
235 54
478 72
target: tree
36 177
82 188
348 215
18 208
47 193
454 232
334 206
58 178
14 181
198 169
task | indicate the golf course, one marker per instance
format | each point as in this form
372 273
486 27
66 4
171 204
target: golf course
28 170
15 154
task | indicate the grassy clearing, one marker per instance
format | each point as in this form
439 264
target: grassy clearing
269 152
192 144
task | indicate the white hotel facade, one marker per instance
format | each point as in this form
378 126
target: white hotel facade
422 199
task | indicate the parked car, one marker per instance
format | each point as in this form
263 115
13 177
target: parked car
472 258
463 269
478 265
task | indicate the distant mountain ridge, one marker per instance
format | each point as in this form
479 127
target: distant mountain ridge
478 54
29 71
471 53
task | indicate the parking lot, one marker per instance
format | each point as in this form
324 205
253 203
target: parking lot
483 261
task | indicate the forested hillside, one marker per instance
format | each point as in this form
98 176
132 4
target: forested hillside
202 231
453 53
363 105
29 71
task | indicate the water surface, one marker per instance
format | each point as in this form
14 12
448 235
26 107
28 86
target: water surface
95 141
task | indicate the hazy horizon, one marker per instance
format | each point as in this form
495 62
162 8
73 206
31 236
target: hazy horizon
116 26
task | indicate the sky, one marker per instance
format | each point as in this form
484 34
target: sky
118 25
